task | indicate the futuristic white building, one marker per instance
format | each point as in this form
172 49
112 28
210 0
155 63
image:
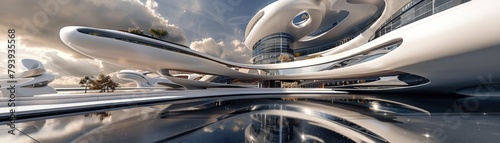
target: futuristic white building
33 81
141 80
353 45
301 28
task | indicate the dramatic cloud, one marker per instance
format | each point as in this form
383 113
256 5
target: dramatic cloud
67 69
65 81
38 23
238 52
215 27
233 51
208 46
219 19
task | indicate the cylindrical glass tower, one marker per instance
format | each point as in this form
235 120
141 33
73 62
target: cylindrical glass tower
274 48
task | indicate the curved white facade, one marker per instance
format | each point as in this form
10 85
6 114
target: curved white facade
322 14
428 55
290 30
33 81
141 80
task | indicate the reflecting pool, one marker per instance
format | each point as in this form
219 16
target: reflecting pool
276 118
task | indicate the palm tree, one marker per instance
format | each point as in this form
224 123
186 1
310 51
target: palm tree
158 33
85 82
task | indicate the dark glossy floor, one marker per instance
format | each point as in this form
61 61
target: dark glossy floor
277 118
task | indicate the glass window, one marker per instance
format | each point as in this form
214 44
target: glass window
300 19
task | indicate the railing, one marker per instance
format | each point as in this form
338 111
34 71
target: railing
415 10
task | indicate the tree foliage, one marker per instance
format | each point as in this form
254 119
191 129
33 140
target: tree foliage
103 83
284 58
158 32
136 30
86 82
296 54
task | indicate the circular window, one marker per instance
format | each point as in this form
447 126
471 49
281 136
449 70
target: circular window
300 19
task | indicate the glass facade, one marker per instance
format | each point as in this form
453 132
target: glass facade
416 10
274 48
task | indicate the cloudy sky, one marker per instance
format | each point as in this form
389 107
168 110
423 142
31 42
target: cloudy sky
215 27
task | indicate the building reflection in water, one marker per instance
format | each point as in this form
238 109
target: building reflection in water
267 128
101 115
287 119
270 128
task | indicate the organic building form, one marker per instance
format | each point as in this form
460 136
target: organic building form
33 81
353 45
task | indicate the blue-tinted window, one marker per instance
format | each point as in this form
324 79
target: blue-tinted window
300 19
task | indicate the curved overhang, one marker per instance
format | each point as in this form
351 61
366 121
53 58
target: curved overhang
33 68
154 59
143 81
322 14
286 10
434 55
390 7
74 39
325 28
195 84
31 82
140 79
188 76
251 23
